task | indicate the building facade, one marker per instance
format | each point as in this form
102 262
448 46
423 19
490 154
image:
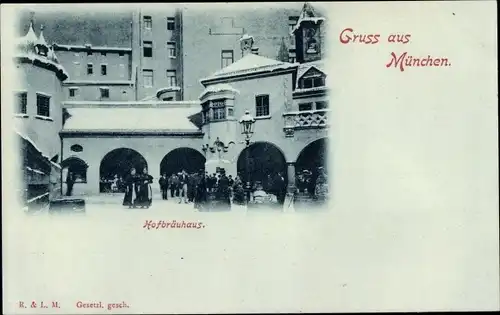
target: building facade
148 124
98 73
38 116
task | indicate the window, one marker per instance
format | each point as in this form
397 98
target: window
262 105
122 70
103 53
22 103
311 82
104 69
147 49
76 148
171 49
230 112
89 53
90 69
170 23
77 68
72 92
219 109
148 77
171 78
205 116
148 22
43 105
305 106
321 105
219 113
121 54
104 92
227 58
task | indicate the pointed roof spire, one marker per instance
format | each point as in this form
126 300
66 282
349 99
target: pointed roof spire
307 14
31 36
41 38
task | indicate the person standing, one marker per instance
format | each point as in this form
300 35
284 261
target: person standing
191 187
238 192
200 197
163 186
183 183
70 181
279 187
145 195
223 191
131 189
321 187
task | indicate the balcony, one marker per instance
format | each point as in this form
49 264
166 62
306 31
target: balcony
309 119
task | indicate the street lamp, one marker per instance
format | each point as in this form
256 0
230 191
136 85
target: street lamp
247 123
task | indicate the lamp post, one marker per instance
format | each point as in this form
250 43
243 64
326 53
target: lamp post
247 123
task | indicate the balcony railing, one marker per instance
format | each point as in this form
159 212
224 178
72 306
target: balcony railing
307 119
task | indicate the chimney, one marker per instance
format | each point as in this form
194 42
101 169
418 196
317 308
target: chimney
246 44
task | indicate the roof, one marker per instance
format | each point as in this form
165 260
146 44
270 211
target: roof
304 67
92 48
43 61
30 141
307 14
216 88
250 64
131 119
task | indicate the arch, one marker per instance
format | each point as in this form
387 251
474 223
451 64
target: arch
76 166
313 155
119 162
259 160
188 159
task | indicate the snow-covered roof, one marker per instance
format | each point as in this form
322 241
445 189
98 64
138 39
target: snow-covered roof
99 82
304 67
131 119
28 139
313 89
167 89
29 38
250 64
55 164
41 40
307 14
217 88
95 48
34 170
26 51
44 60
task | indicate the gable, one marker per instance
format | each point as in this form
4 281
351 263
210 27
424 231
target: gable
312 72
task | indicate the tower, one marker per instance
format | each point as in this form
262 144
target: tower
307 34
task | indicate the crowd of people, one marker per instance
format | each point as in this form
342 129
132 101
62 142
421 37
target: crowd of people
313 183
202 188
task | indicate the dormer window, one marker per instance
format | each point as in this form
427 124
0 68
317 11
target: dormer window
42 50
312 82
312 78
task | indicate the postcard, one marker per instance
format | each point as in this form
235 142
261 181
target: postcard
250 157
